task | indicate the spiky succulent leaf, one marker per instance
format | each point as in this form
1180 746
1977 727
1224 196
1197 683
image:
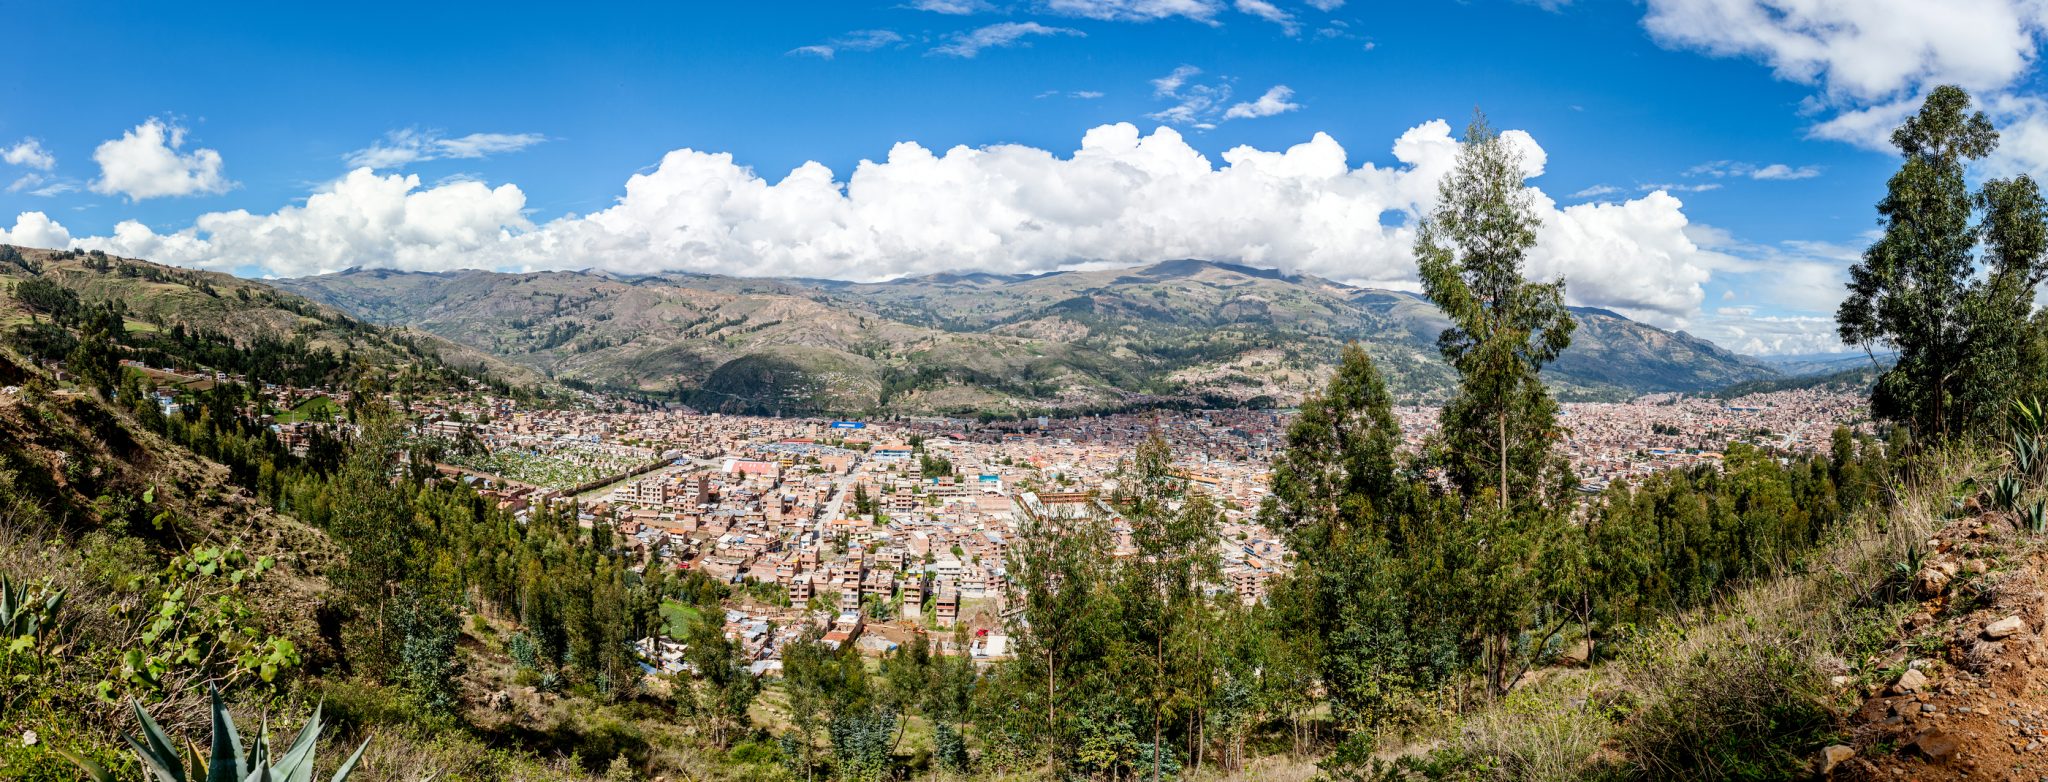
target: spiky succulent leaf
226 764
93 770
297 763
158 751
349 766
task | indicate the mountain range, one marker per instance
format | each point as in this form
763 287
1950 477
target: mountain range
1176 332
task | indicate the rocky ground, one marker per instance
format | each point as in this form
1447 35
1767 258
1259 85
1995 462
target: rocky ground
1965 692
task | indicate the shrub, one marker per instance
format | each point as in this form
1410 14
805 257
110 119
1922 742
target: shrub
1746 710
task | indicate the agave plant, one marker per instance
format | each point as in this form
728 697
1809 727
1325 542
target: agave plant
163 762
2028 424
2028 417
1907 567
2026 454
2035 517
2005 492
27 620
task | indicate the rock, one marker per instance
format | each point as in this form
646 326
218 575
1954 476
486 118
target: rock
1577 655
1930 584
1842 682
500 701
1910 682
1833 756
1934 745
2004 627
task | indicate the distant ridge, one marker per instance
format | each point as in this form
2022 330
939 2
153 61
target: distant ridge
1184 331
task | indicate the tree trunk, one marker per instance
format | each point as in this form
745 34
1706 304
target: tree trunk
1158 705
1502 419
1052 720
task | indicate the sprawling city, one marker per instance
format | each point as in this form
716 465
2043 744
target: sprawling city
1019 390
875 532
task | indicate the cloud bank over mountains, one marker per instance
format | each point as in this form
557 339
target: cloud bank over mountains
1124 197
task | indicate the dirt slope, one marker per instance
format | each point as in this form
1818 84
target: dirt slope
1970 699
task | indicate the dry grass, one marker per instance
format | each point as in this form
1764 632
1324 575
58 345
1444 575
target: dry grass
1749 670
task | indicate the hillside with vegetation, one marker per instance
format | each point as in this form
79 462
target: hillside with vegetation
179 317
1457 612
1179 332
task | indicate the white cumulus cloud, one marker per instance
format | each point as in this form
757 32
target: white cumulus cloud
30 153
146 163
1867 50
1124 197
1873 61
35 229
1278 100
363 219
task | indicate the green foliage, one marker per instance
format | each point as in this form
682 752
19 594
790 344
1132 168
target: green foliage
198 623
1500 426
723 688
1499 430
30 621
2005 492
427 666
522 651
35 638
1350 518
949 748
228 761
1959 330
1734 711
1676 539
860 744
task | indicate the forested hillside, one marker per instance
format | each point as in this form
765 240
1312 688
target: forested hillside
1460 610
217 322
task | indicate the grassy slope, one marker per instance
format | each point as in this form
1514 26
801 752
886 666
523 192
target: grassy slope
1756 685
241 309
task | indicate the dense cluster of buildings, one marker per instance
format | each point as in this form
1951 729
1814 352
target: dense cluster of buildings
871 532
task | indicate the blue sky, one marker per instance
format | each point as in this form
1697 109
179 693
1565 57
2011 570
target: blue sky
1748 115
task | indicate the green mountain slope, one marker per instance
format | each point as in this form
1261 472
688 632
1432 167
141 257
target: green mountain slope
172 311
1189 330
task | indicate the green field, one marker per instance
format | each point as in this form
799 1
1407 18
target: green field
677 617
319 408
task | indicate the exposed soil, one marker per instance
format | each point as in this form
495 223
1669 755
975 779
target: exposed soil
1971 701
